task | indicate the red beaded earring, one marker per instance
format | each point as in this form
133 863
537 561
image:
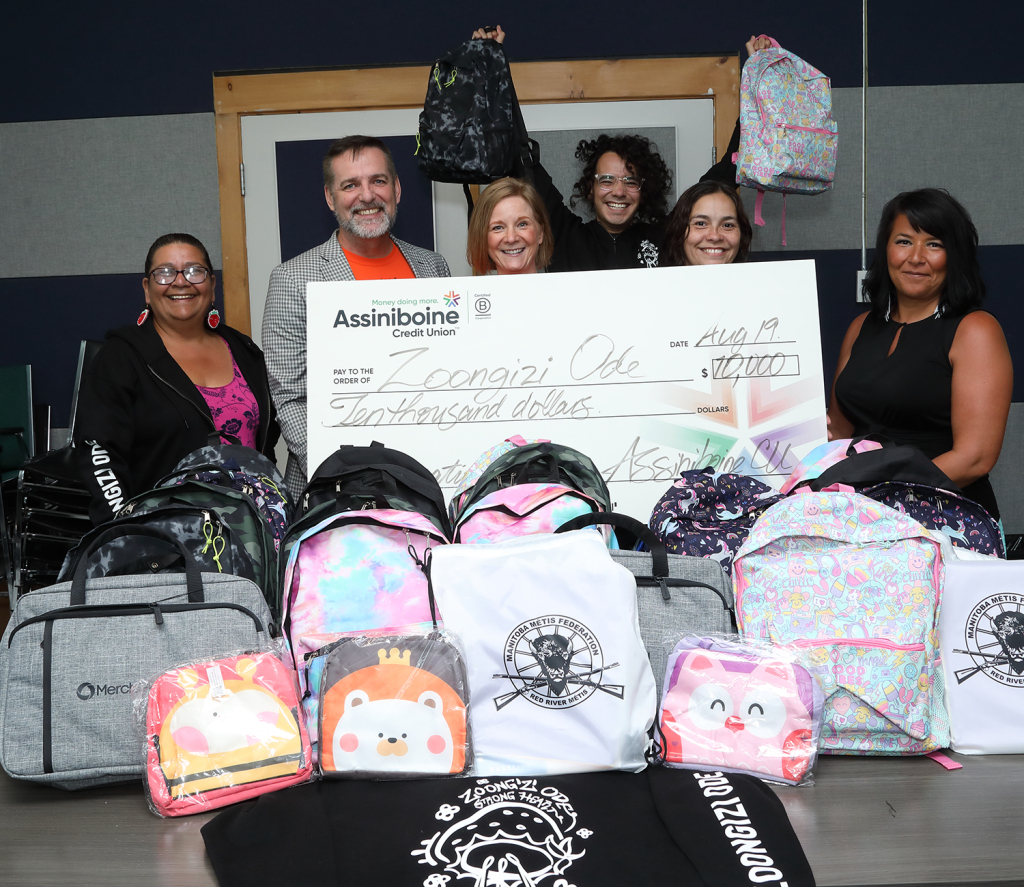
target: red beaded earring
143 316
213 319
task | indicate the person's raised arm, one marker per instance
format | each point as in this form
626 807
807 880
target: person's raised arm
982 390
489 33
725 169
839 426
284 349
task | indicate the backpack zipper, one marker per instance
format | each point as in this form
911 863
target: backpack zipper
880 643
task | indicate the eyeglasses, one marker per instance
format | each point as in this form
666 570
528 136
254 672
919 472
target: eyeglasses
607 182
165 274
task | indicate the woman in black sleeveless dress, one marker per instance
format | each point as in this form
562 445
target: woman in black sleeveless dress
925 366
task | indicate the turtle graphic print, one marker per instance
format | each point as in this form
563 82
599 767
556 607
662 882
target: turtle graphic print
510 832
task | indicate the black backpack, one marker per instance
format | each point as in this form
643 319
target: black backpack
363 478
471 128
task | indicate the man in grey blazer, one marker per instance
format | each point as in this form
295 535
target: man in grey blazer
363 191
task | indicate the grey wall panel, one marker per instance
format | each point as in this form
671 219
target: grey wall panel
963 138
1008 475
90 196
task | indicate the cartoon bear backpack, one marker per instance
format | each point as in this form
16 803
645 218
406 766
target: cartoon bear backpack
394 707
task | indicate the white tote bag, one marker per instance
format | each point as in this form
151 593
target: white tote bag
981 638
559 678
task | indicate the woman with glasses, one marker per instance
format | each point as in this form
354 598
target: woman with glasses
175 380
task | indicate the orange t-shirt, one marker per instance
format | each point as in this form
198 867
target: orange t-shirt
392 267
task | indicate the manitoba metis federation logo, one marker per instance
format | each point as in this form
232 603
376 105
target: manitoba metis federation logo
994 635
554 662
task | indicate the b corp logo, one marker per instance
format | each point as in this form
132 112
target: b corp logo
482 306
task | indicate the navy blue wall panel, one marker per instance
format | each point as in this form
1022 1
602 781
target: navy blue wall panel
304 216
123 59
46 318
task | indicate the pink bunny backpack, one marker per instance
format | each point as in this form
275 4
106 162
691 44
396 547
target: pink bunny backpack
222 731
735 707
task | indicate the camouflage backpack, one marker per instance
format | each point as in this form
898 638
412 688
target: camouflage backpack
245 470
221 528
471 128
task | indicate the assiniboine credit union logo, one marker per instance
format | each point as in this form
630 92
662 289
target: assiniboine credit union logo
451 300
994 636
554 662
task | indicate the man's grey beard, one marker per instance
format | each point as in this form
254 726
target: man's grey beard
368 230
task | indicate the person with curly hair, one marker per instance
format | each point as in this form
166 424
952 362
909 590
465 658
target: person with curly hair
626 184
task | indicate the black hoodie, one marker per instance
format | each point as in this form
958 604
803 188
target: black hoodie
139 414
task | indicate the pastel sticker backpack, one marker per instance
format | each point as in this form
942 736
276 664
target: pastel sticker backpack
822 457
731 706
788 137
857 585
394 707
222 731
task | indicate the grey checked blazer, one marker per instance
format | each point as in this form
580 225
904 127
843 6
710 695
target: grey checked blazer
284 335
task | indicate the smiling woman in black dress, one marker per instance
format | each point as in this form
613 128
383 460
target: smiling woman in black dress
925 366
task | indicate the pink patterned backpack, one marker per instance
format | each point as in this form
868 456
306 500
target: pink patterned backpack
528 488
788 137
222 731
857 585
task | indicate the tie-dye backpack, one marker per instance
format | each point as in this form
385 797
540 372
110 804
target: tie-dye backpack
529 488
358 571
788 137
367 481
857 585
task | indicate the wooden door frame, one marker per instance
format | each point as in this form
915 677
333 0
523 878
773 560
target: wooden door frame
371 89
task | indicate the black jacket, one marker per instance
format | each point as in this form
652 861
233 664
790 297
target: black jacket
139 414
587 246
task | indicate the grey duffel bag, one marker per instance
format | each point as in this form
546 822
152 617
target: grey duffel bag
676 594
72 652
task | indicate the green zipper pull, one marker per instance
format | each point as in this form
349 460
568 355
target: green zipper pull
207 534
217 551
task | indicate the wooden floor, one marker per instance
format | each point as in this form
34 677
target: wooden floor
865 821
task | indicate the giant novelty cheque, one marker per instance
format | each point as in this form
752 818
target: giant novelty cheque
649 372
